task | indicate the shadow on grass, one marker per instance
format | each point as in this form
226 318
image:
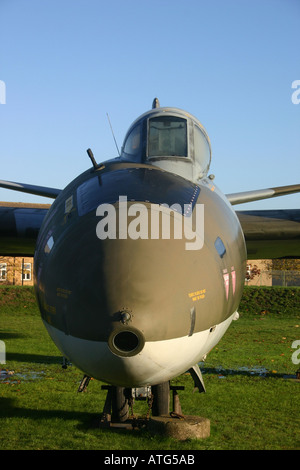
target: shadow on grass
8 335
86 421
33 358
9 410
83 421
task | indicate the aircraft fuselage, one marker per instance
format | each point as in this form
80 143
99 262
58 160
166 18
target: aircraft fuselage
135 311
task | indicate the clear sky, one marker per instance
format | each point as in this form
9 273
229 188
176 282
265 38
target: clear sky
231 63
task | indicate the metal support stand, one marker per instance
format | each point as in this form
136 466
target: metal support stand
180 426
105 419
106 416
174 424
84 383
176 402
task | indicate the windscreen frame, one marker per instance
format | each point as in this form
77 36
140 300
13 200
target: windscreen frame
152 155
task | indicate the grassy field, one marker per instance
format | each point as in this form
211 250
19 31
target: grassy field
252 397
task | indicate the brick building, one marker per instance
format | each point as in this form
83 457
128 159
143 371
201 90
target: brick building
16 271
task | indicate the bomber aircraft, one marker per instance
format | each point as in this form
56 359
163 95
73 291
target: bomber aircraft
140 262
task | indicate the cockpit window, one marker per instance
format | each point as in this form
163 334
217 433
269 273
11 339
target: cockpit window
132 146
167 136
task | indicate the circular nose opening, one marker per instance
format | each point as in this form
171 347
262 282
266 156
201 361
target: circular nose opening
126 342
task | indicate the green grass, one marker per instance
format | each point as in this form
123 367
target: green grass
252 398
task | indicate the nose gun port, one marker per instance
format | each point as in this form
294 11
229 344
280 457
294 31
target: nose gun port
126 342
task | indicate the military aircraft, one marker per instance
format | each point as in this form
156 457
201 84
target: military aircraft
140 262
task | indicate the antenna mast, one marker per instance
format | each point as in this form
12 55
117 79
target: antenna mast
113 133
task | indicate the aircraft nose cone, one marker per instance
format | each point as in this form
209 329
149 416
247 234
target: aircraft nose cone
126 342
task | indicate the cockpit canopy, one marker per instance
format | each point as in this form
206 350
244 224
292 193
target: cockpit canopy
170 139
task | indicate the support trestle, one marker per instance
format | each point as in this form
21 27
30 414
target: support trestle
109 414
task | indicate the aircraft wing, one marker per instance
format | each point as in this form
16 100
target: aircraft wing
268 234
20 223
259 194
271 234
31 189
19 227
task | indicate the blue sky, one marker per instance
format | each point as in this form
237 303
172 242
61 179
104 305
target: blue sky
231 63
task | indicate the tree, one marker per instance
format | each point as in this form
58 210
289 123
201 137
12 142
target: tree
284 272
251 272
